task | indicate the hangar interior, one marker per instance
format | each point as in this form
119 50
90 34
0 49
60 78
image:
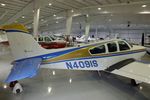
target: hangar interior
101 19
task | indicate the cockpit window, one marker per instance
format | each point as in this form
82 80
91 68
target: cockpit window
112 47
123 46
98 49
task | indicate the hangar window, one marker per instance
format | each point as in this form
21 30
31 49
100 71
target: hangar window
123 45
112 47
98 49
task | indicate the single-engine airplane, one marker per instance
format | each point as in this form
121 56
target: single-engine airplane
115 56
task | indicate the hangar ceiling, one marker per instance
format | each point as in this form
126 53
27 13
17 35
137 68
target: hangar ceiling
105 12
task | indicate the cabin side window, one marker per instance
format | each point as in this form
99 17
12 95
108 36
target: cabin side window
98 50
123 46
40 39
112 47
47 39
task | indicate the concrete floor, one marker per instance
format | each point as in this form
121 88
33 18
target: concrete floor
78 85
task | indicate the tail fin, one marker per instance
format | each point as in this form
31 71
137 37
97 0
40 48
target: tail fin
22 44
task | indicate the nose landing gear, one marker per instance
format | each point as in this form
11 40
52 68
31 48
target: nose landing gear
16 87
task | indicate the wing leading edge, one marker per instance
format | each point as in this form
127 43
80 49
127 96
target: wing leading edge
24 69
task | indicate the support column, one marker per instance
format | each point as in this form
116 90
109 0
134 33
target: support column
36 19
87 28
68 23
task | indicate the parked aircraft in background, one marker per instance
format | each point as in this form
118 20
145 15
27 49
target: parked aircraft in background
113 56
82 39
52 42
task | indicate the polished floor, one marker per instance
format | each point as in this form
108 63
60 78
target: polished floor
77 85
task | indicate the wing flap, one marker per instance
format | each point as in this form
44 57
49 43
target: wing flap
135 70
24 69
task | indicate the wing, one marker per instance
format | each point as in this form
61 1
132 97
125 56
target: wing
24 69
132 69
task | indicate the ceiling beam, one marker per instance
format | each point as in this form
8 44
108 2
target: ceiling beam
28 8
25 10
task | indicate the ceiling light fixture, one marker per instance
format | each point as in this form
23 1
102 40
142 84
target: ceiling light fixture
50 4
57 22
2 4
99 8
144 6
54 15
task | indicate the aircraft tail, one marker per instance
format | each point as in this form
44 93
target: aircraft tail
22 44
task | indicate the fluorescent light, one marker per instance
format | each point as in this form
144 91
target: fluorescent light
50 4
99 8
2 4
144 12
144 6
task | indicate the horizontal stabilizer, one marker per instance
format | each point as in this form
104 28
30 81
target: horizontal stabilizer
24 69
135 70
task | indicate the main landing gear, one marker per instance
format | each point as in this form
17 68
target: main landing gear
16 87
135 82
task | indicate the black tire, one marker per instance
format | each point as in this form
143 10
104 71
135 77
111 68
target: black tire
133 82
18 91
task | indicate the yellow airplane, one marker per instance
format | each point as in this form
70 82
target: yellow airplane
115 56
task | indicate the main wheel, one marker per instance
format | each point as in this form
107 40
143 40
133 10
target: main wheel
134 83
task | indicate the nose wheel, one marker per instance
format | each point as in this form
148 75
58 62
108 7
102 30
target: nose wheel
16 87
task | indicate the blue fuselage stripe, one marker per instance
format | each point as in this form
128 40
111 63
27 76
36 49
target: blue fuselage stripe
15 31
